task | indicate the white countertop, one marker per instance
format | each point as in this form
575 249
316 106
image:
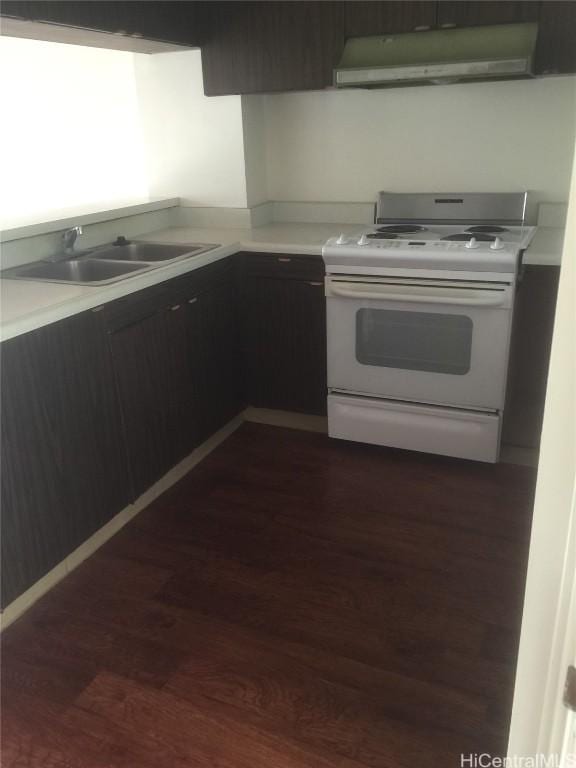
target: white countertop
274 238
546 247
27 305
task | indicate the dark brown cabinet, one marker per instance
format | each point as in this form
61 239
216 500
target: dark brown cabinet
385 18
259 47
529 356
64 470
218 372
176 356
141 360
285 333
474 14
556 44
165 20
97 407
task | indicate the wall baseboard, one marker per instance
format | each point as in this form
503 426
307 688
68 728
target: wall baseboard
287 419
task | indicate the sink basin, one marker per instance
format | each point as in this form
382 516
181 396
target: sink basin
107 264
76 271
150 252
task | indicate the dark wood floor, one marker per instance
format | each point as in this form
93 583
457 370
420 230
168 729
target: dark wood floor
294 602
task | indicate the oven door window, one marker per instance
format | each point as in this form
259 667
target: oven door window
414 341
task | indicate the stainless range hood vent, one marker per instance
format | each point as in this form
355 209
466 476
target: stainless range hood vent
438 56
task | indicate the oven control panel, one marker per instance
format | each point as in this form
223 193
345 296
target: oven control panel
364 244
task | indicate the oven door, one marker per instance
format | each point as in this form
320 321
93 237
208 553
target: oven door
426 341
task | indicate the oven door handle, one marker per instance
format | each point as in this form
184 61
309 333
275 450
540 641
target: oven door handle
455 297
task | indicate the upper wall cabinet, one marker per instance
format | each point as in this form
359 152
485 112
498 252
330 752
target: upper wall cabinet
475 14
164 20
556 45
259 47
376 18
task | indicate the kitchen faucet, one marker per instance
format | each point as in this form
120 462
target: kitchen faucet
69 238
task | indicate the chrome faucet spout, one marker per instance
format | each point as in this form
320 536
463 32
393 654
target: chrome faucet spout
69 237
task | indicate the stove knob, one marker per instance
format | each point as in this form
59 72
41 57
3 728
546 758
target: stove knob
497 245
472 243
341 240
364 240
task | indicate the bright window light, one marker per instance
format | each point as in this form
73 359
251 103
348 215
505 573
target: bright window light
70 137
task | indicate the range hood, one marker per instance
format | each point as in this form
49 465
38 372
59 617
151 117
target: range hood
437 56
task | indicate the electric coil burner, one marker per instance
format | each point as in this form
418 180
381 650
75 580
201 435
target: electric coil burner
419 311
489 228
480 237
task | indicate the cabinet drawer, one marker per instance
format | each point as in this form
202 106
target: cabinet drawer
204 279
284 265
137 306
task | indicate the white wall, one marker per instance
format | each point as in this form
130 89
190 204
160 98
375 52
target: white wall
347 145
194 144
254 127
69 134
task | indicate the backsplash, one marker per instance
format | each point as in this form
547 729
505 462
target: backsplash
482 137
22 250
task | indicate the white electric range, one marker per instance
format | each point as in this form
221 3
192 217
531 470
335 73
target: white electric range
419 314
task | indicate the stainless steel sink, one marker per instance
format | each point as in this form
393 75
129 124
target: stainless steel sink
80 271
107 264
150 252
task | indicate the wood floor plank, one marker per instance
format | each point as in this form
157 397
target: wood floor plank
176 732
63 638
238 532
38 737
291 696
293 602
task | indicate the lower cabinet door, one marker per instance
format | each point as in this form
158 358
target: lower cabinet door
33 532
64 472
95 466
217 373
141 359
177 375
530 346
285 344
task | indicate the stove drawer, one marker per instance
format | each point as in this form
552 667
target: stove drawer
431 429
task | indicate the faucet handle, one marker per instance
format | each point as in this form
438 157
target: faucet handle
77 230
